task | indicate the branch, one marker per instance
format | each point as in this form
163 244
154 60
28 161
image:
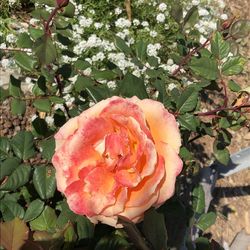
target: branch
127 4
213 112
16 49
189 55
52 15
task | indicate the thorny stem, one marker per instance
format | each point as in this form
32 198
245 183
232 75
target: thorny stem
189 55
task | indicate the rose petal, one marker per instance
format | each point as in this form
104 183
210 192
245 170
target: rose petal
140 195
91 196
163 125
173 165
65 131
126 108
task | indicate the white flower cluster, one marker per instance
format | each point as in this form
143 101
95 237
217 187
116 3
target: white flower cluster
122 23
152 49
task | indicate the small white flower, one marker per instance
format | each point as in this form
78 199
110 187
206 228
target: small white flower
221 4
34 21
162 7
203 12
111 84
195 2
118 11
91 104
87 72
224 17
171 86
85 22
170 62
136 22
3 46
11 38
49 120
5 63
98 25
145 24
122 23
12 2
153 33
160 18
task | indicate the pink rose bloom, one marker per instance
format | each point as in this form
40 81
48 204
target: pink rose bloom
118 158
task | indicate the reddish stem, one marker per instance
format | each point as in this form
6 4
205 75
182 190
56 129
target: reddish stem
52 15
189 55
213 112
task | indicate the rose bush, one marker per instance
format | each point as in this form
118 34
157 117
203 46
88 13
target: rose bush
119 157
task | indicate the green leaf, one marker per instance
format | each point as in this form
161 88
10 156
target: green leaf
24 41
233 65
121 45
206 221
43 105
104 75
113 242
154 229
187 101
48 148
15 87
141 50
233 86
4 149
132 85
202 243
11 209
224 123
40 87
35 33
221 153
69 234
66 215
46 221
40 127
13 234
98 93
189 121
18 178
25 61
45 50
22 145
81 64
4 93
18 106
198 203
8 166
56 99
69 10
34 209
85 229
177 11
240 29
219 47
44 181
205 67
191 17
82 83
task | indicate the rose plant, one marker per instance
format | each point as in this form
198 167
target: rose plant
121 92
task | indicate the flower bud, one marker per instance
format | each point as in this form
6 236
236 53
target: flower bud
62 3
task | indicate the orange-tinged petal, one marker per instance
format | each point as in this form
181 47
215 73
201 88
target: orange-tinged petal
142 193
173 165
126 108
65 131
163 125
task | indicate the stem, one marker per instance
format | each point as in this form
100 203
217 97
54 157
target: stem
52 15
60 87
16 49
189 55
213 112
225 93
